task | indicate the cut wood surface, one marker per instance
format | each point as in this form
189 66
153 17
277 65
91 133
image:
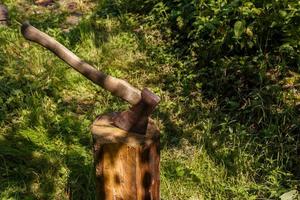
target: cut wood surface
104 130
127 164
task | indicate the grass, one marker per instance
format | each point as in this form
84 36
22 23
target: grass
210 149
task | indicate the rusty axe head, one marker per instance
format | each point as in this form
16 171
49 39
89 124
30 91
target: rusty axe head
136 118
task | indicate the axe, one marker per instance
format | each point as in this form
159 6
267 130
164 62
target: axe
143 102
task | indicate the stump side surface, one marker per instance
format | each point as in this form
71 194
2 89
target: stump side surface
127 164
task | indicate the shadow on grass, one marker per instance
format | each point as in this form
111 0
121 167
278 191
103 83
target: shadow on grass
25 171
43 153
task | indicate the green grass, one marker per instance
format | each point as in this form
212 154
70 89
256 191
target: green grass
212 148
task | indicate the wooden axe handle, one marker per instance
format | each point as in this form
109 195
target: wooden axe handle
116 86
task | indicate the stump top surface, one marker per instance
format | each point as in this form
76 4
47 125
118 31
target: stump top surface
104 131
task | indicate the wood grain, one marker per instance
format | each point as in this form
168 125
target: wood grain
127 164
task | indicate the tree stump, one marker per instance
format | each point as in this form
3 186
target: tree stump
127 164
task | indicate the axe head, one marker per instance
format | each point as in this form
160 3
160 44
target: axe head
136 118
